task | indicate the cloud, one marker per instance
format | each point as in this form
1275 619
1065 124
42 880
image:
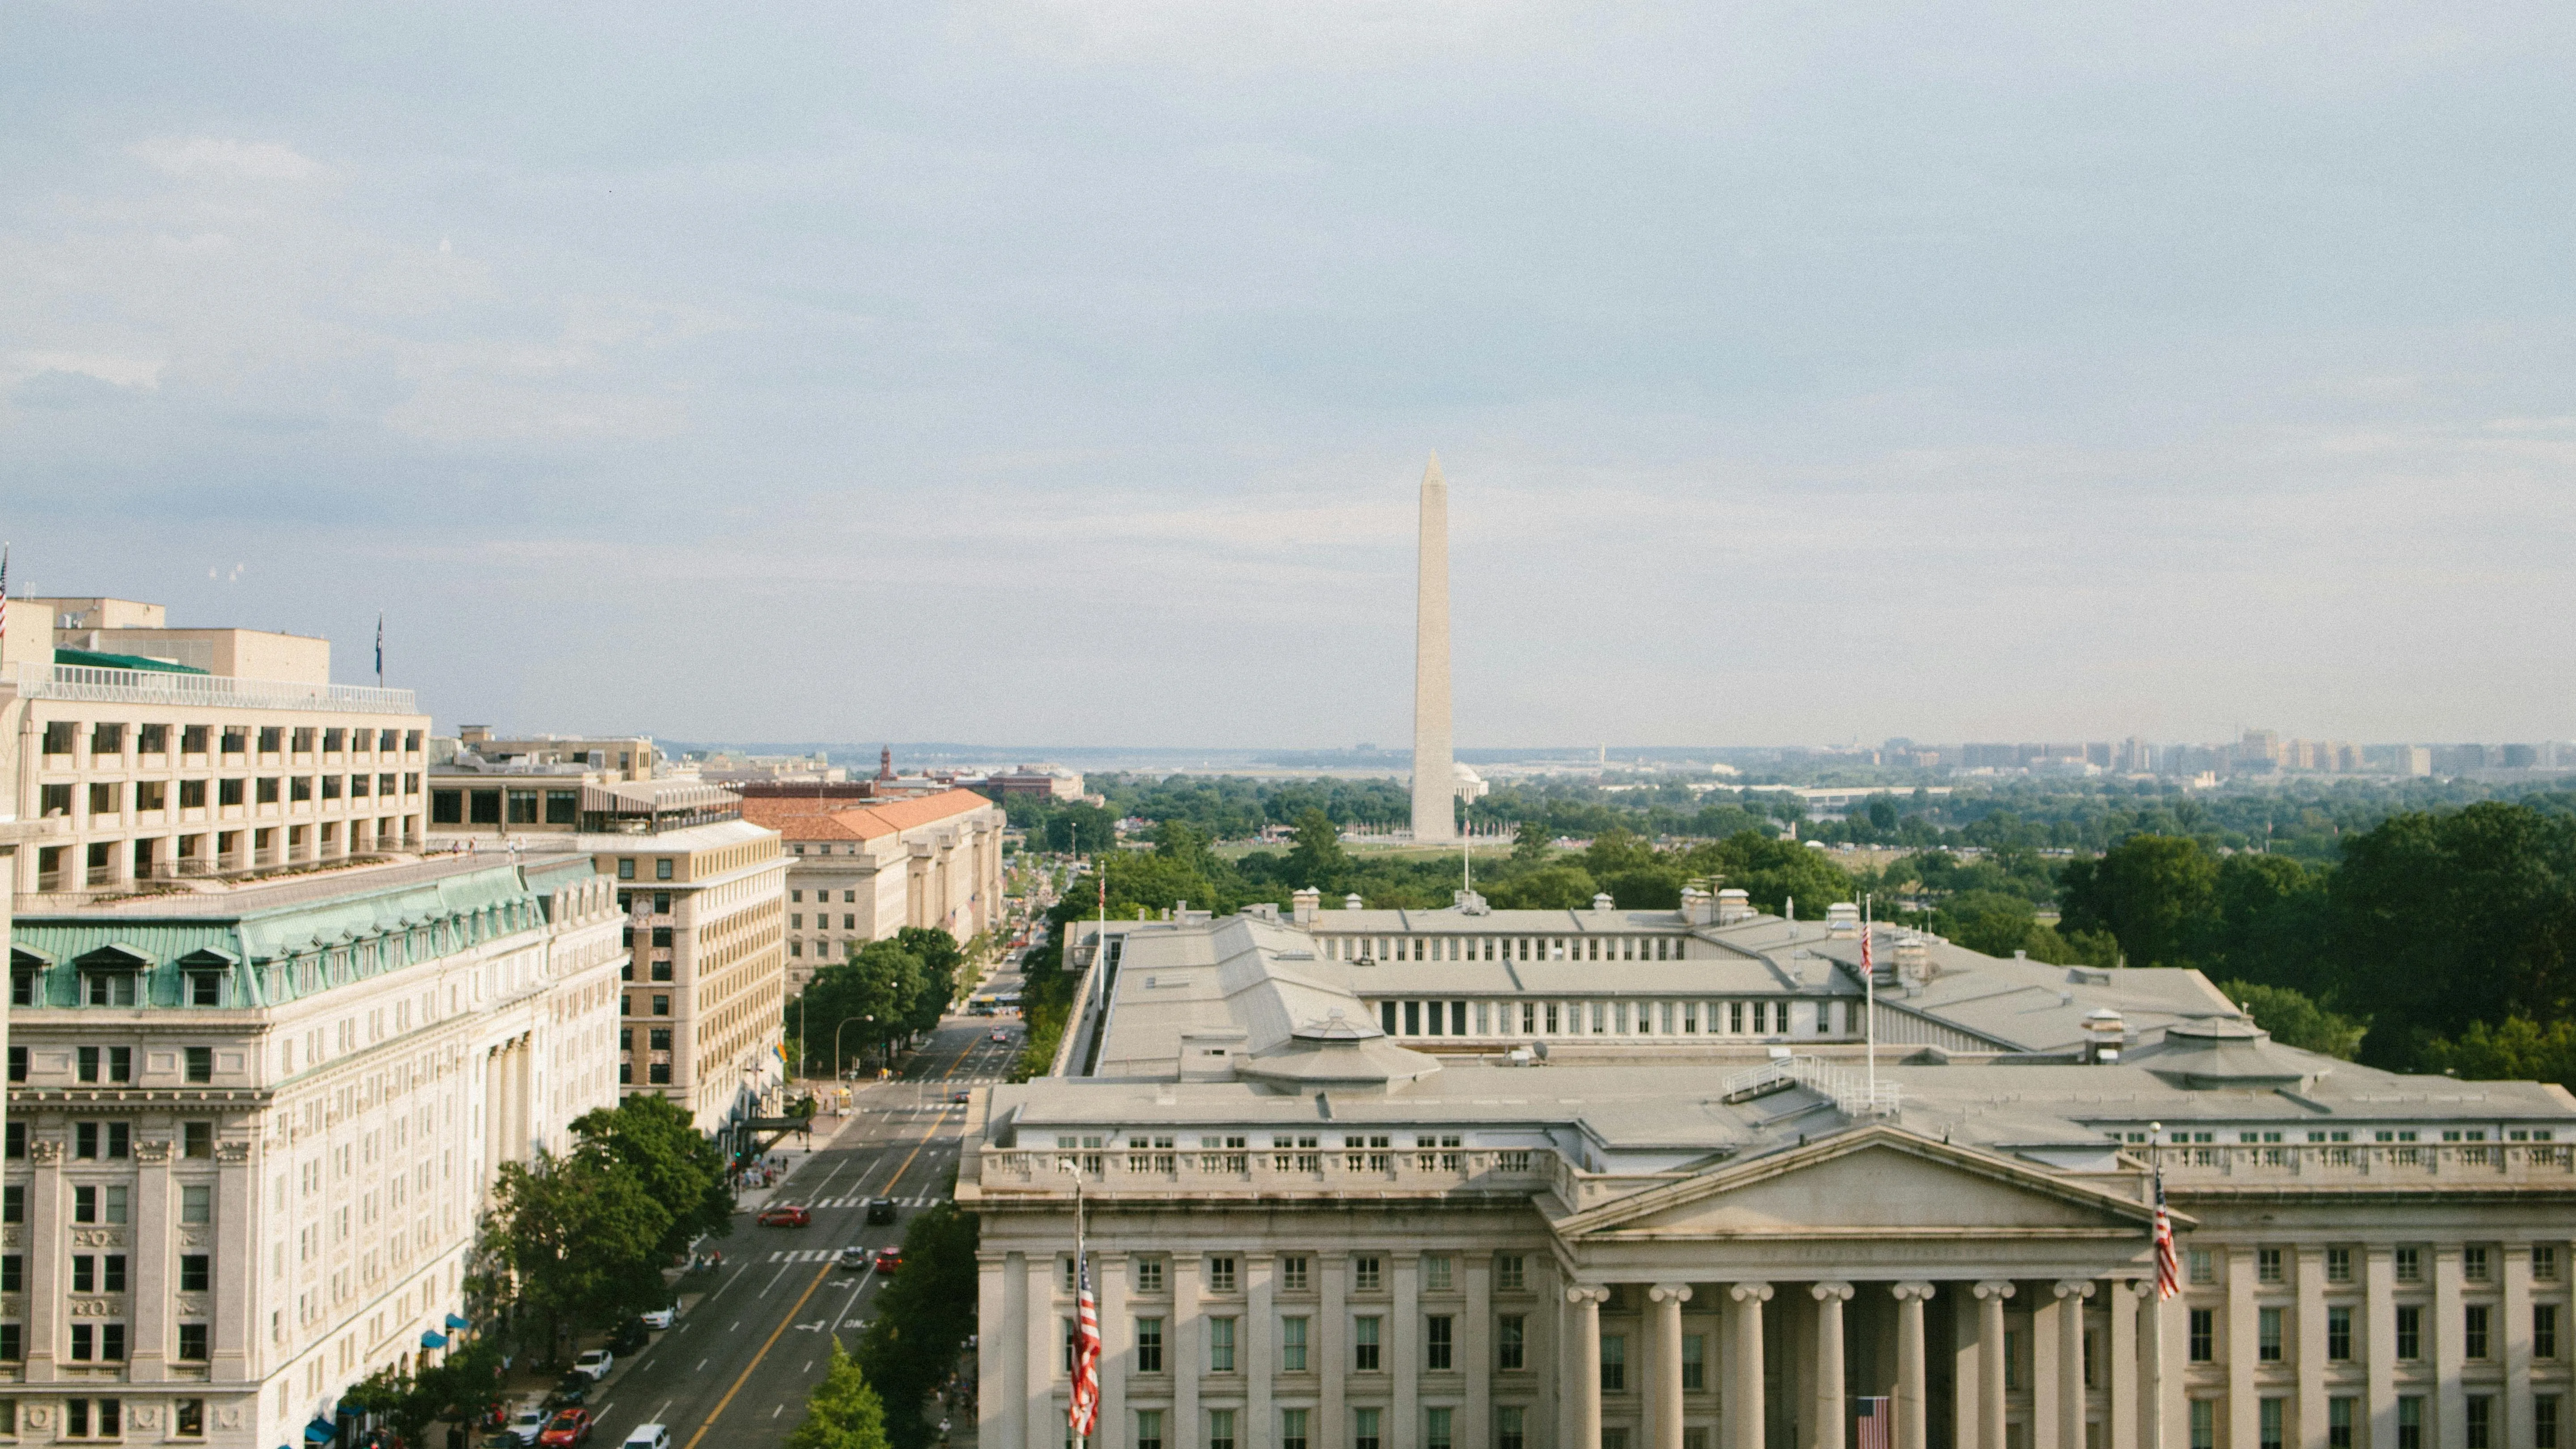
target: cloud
197 157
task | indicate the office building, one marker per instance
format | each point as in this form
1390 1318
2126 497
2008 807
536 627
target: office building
858 871
1589 1210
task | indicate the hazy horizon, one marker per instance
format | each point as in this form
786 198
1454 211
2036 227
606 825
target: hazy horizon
1032 369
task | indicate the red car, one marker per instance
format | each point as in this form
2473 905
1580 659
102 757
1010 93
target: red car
569 1428
789 1216
889 1259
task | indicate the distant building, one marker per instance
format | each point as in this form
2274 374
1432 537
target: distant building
728 769
1042 781
859 871
631 757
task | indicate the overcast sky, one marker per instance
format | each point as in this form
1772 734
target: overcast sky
1050 372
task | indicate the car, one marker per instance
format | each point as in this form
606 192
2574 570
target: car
595 1363
648 1436
528 1423
571 1393
962 1094
788 1216
631 1337
662 1317
853 1256
889 1259
570 1428
1002 1037
881 1210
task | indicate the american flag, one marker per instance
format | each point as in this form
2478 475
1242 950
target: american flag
1086 1357
4 591
1875 1417
2168 1261
1864 953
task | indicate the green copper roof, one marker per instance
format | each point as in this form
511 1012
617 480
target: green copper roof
97 659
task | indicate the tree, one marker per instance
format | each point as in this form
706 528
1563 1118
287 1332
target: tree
1550 888
2271 926
2520 1050
939 957
2294 1020
843 1411
1318 860
677 1165
1530 844
577 1240
1081 829
923 1319
2156 894
1771 872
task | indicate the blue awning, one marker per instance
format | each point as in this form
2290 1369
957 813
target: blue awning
432 1338
319 1432
456 1324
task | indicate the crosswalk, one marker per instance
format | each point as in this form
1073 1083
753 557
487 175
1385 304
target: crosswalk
861 1199
804 1255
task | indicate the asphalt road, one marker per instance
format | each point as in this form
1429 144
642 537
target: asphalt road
734 1371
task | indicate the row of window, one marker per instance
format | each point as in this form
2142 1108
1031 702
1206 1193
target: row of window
1368 1346
1221 1272
105 1418
112 1065
102 1342
1511 1429
62 737
823 921
1502 948
495 807
2479 1422
2406 1264
662 870
1606 1018
2477 1336
109 797
822 898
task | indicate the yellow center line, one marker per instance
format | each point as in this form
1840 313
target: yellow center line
780 1331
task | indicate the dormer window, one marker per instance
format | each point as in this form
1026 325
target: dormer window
202 973
112 975
26 975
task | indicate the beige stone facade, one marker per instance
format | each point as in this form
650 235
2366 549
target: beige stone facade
858 872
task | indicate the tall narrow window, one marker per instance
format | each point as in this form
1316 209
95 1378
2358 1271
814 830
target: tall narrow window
1510 1343
1292 1428
1149 1429
2339 1416
1510 1427
1437 1344
1614 1363
1364 1427
1364 1343
2338 1334
2410 1334
2473 1331
2267 1336
2204 1335
2410 1421
1436 1428
2268 1423
1292 1345
2204 1424
2480 1421
1149 1345
1220 1431
1694 1362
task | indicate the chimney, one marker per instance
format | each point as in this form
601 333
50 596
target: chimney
1352 902
1602 902
1842 918
1732 906
1913 960
1698 907
473 734
2103 1034
1305 904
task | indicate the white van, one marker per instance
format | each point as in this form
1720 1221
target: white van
649 1436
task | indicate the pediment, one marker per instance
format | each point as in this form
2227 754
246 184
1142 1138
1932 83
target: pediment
1873 1182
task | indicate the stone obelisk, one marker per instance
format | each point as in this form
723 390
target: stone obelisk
1434 777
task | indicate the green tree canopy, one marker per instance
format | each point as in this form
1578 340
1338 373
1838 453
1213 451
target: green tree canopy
842 1412
2294 1020
1318 859
2156 894
923 1319
678 1166
1770 872
2520 1050
1549 888
577 1242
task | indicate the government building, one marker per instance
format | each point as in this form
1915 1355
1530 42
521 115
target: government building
1610 1179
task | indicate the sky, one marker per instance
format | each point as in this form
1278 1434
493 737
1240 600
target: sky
1043 372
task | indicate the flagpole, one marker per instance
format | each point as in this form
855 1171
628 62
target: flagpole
1869 994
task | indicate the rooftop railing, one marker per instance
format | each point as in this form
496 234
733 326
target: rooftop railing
1854 1094
2379 1164
153 686
1293 1171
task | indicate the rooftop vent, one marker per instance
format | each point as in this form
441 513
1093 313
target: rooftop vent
1352 902
1842 918
2103 1034
1699 908
1305 904
1602 901
1733 905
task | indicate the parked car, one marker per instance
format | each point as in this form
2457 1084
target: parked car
854 1256
889 1259
663 1316
631 1337
569 1429
595 1363
881 1210
528 1423
789 1216
648 1436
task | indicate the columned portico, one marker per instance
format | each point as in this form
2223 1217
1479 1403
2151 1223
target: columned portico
1666 1426
1828 1413
1911 1384
1744 1417
1990 1361
1585 1332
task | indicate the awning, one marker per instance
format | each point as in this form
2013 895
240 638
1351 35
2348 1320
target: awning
319 1432
456 1324
432 1338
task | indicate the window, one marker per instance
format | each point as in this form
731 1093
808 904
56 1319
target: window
84 1272
446 807
2473 1265
1694 1362
1435 1274
197 1204
1511 1272
1292 1429
1149 1345
1220 1345
626 869
116 1062
1364 1343
2473 1331
1292 1273
196 1274
662 868
61 736
2410 1331
657 1074
16 1143
1364 1426
2204 1335
2267 1265
1367 1272
2204 1424
196 1139
17 1064
205 988
2410 1421
1509 1431
2409 1263
1149 1275
661 1006
1149 1429
2339 1417
483 806
2544 1263
1614 1363
2267 1421
13 1273
112 1273
1436 1432
2204 1268
2544 1330
2267 1335
201 1064
13 1346
192 1341
1511 1346
2544 1421
1220 1430
2338 1334
1437 1340
1220 1273
1292 1345
188 1418
13 1201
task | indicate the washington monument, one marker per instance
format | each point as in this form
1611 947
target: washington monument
1434 776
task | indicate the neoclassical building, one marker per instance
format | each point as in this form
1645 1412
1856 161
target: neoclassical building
1576 1224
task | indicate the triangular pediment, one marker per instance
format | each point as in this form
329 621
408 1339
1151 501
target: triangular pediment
1871 1182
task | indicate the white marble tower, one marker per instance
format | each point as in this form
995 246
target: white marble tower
1434 776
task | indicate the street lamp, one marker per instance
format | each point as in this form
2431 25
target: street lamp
836 1042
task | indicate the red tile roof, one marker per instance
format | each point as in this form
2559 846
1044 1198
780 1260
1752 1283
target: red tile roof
817 818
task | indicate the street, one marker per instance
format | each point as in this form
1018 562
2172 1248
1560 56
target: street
735 1369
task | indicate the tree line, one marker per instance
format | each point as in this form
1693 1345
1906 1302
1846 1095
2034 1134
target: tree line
884 992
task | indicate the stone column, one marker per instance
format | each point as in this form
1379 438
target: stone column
1744 1416
2450 1396
2244 1405
1117 1347
1041 1426
47 1260
2514 1423
1474 1426
1403 1429
1990 1361
1912 1382
1260 1353
156 1221
2122 1415
2071 1293
236 1193
1583 1366
1664 1419
2310 1429
1828 1409
1186 1341
1329 1350
2379 1343
1001 1297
